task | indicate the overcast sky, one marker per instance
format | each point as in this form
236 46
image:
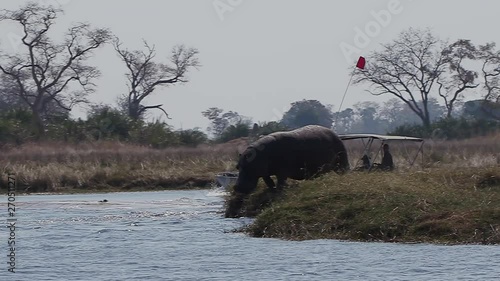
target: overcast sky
258 56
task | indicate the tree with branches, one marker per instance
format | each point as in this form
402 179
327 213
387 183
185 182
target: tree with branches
145 75
46 73
490 71
408 69
458 79
308 112
221 122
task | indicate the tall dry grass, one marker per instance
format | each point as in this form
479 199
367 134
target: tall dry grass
474 152
63 167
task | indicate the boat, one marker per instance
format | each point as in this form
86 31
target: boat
226 179
368 141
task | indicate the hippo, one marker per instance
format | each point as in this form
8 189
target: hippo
299 154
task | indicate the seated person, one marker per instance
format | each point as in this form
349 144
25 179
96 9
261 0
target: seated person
387 163
366 165
366 162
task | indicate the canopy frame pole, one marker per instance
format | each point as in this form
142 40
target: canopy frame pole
420 151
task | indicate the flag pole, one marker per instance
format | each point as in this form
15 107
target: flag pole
343 97
360 65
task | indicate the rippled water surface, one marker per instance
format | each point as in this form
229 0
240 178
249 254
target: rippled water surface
181 235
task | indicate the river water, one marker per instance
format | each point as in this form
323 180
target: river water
182 235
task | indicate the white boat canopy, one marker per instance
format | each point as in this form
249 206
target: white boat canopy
379 137
368 139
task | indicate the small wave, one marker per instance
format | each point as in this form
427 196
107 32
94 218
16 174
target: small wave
134 216
109 230
217 192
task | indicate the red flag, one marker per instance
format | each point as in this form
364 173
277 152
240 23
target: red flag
361 63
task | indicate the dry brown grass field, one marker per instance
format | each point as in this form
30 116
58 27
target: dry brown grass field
114 166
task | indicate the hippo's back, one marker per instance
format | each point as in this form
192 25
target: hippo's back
311 147
310 138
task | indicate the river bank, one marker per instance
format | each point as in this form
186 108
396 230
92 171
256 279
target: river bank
439 205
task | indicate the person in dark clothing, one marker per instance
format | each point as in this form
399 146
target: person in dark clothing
387 163
366 162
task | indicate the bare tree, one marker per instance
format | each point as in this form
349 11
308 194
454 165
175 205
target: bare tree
44 72
408 68
145 75
490 71
452 84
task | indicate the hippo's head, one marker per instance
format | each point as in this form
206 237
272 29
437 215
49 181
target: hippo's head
252 164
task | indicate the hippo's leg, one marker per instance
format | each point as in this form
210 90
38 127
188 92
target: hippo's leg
281 181
269 181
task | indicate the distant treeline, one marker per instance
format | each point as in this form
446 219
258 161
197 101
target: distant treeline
476 118
16 127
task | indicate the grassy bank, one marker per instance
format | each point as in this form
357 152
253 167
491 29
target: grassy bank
440 205
113 166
